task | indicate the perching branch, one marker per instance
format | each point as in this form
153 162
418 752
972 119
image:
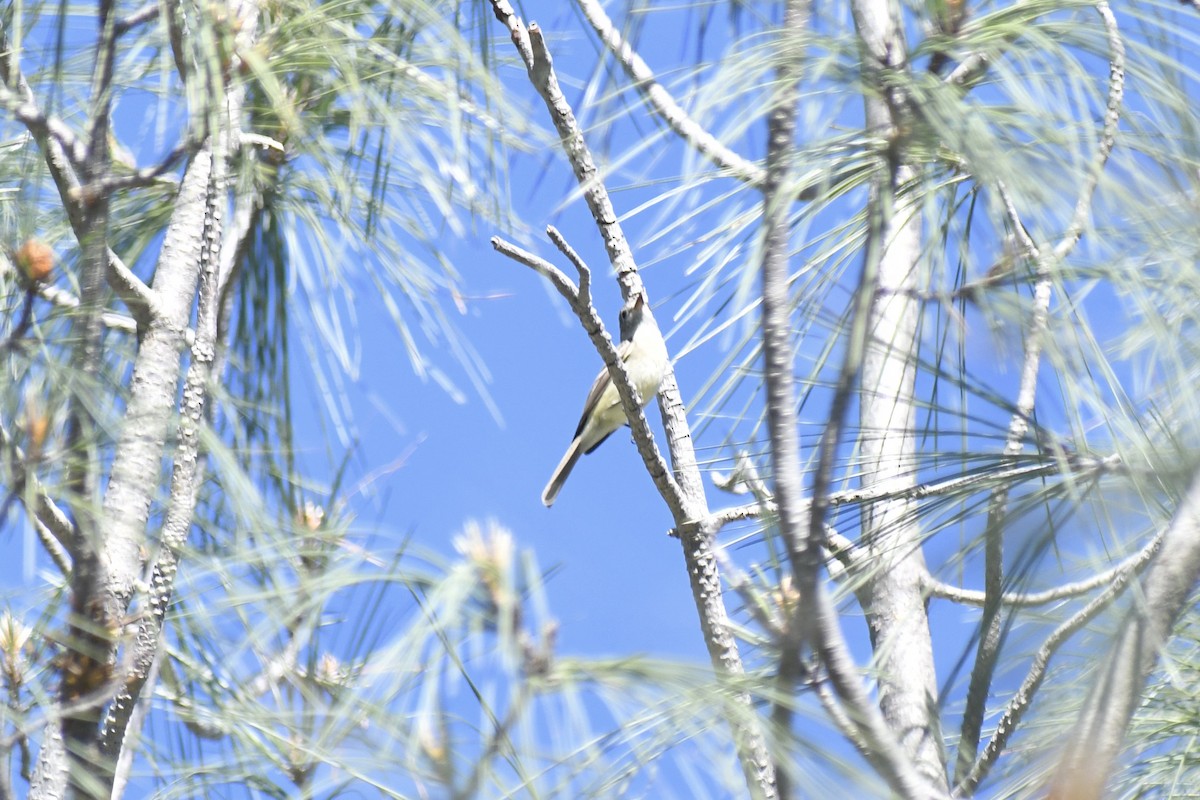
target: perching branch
593 325
690 504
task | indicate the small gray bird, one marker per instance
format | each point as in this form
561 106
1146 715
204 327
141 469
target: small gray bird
645 355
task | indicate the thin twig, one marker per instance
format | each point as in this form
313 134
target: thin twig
1108 134
991 624
65 299
752 597
147 176
663 103
64 155
54 529
245 139
1085 468
1118 686
1021 701
144 14
660 100
541 266
846 555
1067 591
585 274
26 111
990 640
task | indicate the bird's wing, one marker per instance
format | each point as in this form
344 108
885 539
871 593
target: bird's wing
598 386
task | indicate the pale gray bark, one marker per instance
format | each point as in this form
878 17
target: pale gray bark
106 567
140 450
895 600
188 465
49 778
102 580
1159 598
683 492
187 471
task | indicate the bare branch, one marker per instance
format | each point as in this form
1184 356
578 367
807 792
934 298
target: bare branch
65 299
585 274
664 104
137 461
988 650
1037 671
1135 562
111 320
592 323
541 266
990 639
65 156
790 507
687 501
807 187
187 472
44 128
1108 135
54 529
1084 468
771 620
189 462
1117 689
532 47
147 176
144 14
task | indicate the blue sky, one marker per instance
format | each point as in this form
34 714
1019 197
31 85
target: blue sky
620 585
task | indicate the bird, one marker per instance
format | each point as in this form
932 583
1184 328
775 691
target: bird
644 353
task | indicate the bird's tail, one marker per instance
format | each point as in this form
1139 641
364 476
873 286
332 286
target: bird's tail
561 472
